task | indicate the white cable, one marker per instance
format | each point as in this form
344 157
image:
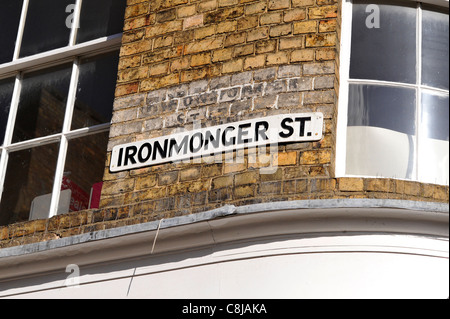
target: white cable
156 236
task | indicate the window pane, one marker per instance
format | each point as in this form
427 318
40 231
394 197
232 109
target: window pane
83 171
9 23
386 53
434 118
42 103
381 131
6 91
95 92
28 184
100 18
435 49
391 108
434 141
45 26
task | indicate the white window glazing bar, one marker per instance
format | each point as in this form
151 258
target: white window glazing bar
76 23
3 163
342 107
23 18
61 55
59 173
419 83
9 130
13 110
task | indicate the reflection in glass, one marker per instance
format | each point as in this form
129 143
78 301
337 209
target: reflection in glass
46 26
42 103
434 118
381 131
95 91
83 171
6 91
392 108
434 139
28 184
9 24
435 49
100 18
386 53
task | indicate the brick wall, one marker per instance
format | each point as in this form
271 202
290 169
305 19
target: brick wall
186 63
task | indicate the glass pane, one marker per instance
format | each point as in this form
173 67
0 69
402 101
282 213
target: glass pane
83 171
384 51
42 103
9 23
100 18
435 49
28 184
95 91
387 107
45 26
434 118
6 91
381 132
434 140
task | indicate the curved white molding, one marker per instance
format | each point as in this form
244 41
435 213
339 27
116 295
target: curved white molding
226 225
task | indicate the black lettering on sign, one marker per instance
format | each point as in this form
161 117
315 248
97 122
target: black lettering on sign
193 149
130 152
242 133
159 149
285 126
261 132
141 157
174 145
231 141
209 138
302 121
119 161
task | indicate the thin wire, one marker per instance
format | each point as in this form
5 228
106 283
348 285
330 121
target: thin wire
156 236
153 247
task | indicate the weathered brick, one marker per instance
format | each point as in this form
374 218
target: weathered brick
193 21
318 97
302 55
348 184
271 18
320 40
305 27
278 4
322 12
318 68
244 191
250 177
285 158
277 58
190 173
300 84
254 62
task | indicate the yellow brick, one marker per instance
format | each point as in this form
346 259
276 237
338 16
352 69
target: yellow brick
201 59
233 66
254 62
285 158
305 27
348 184
277 58
250 177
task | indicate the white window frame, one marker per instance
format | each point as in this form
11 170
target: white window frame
345 81
72 53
